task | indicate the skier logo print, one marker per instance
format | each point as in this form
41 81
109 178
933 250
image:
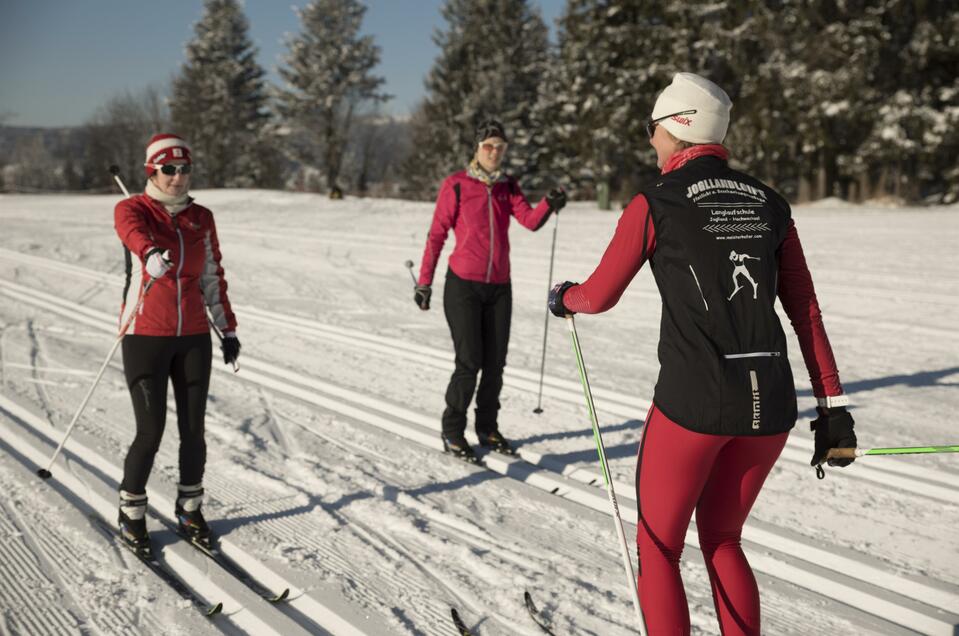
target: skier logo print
740 270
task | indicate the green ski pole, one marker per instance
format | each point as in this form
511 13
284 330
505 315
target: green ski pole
853 453
601 450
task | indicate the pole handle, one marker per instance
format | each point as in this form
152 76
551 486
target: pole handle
843 453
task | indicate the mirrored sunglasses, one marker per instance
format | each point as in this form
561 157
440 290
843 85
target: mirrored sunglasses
652 123
488 146
170 169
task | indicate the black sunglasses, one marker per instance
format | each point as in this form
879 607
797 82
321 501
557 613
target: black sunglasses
171 169
651 123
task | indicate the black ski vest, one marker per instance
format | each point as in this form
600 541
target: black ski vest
722 349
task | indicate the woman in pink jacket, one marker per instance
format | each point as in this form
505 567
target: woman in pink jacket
477 204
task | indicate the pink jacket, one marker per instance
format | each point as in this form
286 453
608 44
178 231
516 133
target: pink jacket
479 216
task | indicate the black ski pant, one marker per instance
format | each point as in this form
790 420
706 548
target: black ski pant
150 363
478 315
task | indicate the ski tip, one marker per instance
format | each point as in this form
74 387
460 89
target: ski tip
214 610
282 596
43 473
458 622
528 599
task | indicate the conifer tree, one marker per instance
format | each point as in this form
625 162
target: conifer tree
493 56
329 84
219 100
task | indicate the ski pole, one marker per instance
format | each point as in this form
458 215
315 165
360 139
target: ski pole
542 361
853 453
45 473
601 450
409 266
115 171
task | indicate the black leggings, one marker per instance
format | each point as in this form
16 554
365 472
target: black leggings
478 315
149 363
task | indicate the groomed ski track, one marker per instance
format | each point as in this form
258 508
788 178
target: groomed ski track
893 600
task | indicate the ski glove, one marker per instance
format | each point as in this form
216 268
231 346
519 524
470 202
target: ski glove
421 296
833 429
556 199
230 348
556 299
158 262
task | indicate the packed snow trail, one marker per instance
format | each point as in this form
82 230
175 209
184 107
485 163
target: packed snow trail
902 368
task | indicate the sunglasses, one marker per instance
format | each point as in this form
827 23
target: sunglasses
652 123
170 169
491 147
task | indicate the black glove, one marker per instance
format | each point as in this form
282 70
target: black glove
556 199
421 296
556 299
230 348
833 429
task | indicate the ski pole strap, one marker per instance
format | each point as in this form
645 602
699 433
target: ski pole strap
852 453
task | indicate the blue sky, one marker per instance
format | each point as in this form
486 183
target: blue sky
61 59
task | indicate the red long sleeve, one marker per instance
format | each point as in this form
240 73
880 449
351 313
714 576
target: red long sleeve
631 246
798 297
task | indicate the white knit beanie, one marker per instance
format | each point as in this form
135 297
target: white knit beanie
710 104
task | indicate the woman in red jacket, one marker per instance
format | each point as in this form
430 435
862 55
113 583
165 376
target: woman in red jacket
724 401
175 242
477 204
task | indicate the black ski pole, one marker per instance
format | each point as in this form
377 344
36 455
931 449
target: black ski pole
409 266
549 281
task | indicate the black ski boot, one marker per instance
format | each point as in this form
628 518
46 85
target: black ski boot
133 524
459 448
189 515
496 442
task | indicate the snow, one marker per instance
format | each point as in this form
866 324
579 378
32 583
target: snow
324 473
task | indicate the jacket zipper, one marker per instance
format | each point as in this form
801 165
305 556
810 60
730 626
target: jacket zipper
753 354
492 233
179 289
701 295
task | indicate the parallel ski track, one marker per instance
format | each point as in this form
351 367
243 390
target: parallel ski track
72 569
24 579
909 477
911 603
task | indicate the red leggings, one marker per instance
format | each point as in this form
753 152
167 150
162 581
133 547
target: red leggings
720 477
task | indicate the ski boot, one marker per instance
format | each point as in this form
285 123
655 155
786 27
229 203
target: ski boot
459 448
190 523
496 442
133 524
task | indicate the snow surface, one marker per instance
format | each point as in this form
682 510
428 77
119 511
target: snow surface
323 468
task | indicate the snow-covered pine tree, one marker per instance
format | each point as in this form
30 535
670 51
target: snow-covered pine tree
912 147
219 100
613 60
493 56
330 84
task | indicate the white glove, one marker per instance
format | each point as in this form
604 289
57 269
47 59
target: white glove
158 263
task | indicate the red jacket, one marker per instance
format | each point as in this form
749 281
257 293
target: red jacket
624 258
176 303
480 218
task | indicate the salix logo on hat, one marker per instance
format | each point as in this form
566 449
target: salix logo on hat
693 109
164 148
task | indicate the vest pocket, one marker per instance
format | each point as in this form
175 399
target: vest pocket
757 392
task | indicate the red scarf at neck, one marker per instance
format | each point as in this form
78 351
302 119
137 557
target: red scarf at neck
679 159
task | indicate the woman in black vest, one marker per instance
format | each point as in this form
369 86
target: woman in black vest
722 246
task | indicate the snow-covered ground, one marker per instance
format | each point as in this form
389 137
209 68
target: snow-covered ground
324 472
